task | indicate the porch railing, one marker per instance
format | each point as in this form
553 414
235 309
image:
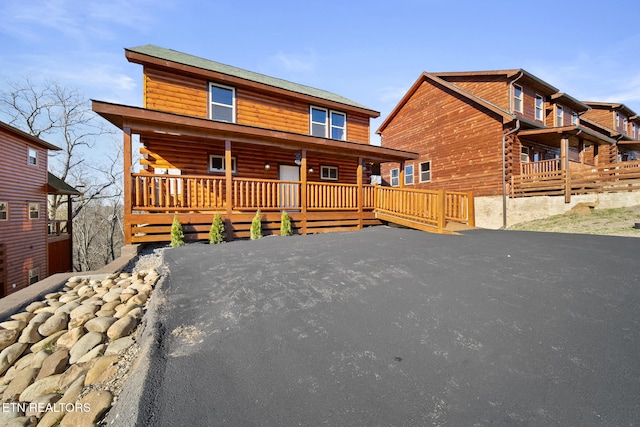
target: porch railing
613 177
156 193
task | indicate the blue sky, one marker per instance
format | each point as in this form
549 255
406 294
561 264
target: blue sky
370 52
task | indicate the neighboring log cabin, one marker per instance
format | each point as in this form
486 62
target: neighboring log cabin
32 247
509 133
218 139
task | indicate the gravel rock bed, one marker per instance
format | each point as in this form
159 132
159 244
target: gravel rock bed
64 359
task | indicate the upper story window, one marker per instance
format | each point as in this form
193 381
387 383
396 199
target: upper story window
328 123
625 125
575 120
408 175
425 171
559 116
33 157
222 103
4 211
517 98
34 210
539 107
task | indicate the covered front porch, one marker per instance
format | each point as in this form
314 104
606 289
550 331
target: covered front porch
569 161
196 168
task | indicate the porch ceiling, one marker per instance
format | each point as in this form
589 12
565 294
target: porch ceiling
553 136
154 123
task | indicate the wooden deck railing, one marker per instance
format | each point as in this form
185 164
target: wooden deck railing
540 167
613 177
166 193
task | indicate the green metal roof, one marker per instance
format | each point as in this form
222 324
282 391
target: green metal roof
205 64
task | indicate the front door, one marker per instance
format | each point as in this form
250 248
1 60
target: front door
289 197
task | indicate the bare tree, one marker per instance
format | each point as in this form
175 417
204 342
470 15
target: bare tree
63 117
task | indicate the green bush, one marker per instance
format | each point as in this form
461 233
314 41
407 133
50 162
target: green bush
285 224
256 227
216 234
177 235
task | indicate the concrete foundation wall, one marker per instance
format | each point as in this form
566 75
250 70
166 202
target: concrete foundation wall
489 209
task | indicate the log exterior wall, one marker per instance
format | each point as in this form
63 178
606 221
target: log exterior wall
21 183
462 141
189 95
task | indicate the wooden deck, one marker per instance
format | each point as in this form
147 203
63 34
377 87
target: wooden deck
548 180
314 207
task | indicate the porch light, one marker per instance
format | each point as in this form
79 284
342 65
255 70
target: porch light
298 160
267 166
310 170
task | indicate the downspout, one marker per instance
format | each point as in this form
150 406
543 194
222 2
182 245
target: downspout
504 150
504 173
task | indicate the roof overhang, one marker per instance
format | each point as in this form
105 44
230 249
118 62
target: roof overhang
27 137
158 124
552 136
57 186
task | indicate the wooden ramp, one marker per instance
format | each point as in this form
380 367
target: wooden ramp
418 225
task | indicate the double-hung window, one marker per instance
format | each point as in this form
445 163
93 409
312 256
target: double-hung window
34 210
217 164
408 175
517 98
222 103
575 120
33 157
425 171
395 177
328 123
559 116
4 211
539 108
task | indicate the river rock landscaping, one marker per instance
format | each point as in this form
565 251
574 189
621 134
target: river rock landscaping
63 359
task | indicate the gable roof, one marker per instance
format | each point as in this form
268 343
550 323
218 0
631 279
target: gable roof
58 186
28 137
506 116
217 67
613 106
518 74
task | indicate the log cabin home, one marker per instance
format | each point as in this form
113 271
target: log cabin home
620 123
32 246
501 132
219 139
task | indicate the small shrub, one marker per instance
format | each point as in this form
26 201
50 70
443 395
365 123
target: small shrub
177 235
285 224
256 227
216 234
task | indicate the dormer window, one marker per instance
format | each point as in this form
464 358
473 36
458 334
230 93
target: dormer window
517 98
222 103
328 123
575 120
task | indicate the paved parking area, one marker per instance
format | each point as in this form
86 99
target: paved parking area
395 327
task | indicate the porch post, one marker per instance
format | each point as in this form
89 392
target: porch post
228 175
70 231
303 190
401 175
360 193
596 154
581 150
127 160
564 165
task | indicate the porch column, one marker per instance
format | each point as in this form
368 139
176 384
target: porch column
303 190
228 175
127 160
564 165
596 154
401 175
581 150
360 192
70 231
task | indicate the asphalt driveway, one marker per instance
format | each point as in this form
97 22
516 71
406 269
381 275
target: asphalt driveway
395 327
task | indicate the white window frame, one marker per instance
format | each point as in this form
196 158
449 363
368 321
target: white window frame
35 205
32 154
617 123
325 173
539 109
422 172
575 119
232 106
328 124
408 174
518 100
395 178
559 116
524 154
4 211
34 275
234 164
625 125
